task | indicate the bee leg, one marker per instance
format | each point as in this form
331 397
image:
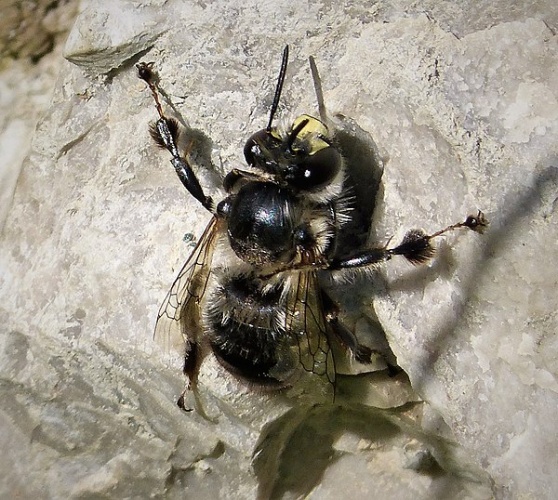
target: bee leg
193 358
165 132
181 403
192 362
236 175
416 246
362 353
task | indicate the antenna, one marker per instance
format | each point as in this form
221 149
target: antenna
279 87
318 89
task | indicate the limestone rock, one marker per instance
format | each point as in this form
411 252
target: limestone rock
461 104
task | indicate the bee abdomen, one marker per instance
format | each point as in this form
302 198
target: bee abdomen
246 331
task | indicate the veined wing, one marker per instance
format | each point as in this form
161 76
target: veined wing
179 315
307 322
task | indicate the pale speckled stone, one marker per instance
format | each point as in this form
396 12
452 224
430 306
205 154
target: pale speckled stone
461 103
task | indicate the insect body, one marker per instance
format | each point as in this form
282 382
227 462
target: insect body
264 313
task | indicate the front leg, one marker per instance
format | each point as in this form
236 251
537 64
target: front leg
165 132
416 246
236 175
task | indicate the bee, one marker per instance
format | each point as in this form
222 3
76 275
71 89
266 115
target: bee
264 312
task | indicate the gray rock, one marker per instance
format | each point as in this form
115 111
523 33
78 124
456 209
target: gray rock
462 108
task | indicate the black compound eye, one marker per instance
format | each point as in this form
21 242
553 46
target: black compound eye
259 148
252 148
315 171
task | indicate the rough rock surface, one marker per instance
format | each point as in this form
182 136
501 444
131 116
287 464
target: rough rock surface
462 104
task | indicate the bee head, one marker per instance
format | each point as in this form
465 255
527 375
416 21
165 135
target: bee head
303 157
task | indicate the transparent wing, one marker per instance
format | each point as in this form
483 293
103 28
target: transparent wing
179 314
307 322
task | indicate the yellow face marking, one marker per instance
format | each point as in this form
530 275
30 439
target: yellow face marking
312 133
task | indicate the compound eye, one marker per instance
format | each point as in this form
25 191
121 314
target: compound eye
258 148
252 148
315 171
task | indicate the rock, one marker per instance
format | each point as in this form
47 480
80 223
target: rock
460 109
